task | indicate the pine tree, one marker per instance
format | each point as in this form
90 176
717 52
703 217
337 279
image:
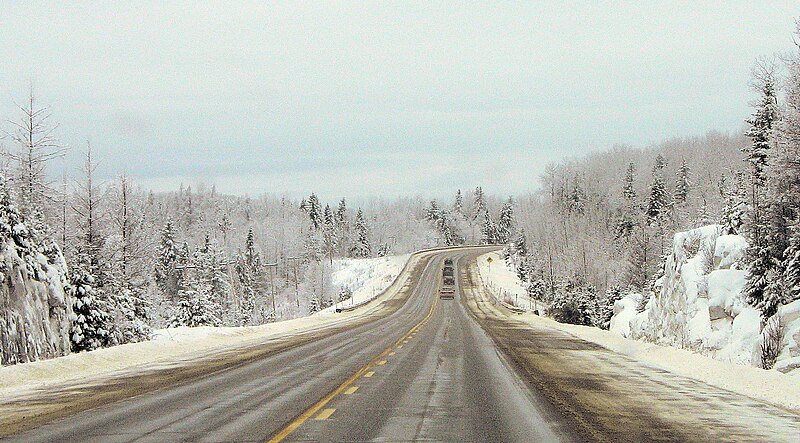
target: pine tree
682 183
791 273
577 199
521 244
93 323
194 310
734 212
361 248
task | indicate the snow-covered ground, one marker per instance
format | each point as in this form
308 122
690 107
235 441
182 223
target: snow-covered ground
366 278
770 386
503 283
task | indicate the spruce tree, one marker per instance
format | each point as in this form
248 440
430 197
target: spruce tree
657 205
92 327
479 203
682 183
361 248
458 204
505 223
628 189
167 257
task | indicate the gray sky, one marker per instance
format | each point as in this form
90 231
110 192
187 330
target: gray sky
364 99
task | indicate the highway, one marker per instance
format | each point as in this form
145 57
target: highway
415 369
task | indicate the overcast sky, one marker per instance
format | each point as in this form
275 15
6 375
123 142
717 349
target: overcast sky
363 99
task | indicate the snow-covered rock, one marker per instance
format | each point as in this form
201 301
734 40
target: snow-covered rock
36 313
701 307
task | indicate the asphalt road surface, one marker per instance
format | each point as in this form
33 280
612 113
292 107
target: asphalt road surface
417 369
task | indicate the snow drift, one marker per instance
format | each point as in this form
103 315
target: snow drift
700 305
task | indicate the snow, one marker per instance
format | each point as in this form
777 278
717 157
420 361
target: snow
700 306
183 345
772 386
365 277
501 280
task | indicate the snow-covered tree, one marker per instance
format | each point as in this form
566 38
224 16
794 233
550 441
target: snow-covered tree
314 210
330 238
478 203
433 212
92 327
36 146
628 189
167 270
505 222
194 310
489 235
734 213
682 183
361 247
762 124
458 204
658 204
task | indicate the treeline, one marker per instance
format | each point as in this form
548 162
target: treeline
134 260
601 225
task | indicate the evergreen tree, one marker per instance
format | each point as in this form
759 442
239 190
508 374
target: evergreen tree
791 273
761 132
433 213
628 189
314 211
92 327
505 223
458 204
734 213
682 183
657 205
489 234
167 272
577 199
329 237
361 248
479 203
194 310
521 244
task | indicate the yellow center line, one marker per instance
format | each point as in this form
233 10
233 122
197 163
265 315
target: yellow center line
392 353
381 363
302 418
351 390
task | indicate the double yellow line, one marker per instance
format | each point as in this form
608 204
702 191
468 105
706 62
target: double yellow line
310 412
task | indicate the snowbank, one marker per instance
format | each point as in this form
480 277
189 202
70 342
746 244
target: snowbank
183 345
769 386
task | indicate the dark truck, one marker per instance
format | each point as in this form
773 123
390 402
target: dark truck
448 291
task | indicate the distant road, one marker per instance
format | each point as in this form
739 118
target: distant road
417 369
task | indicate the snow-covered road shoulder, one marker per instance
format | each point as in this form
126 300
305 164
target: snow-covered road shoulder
769 386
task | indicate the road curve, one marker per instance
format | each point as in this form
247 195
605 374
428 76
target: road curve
419 369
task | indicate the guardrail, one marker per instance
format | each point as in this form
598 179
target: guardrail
402 271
